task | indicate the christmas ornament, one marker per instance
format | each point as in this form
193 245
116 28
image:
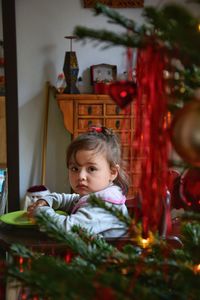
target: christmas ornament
123 92
190 189
173 175
185 133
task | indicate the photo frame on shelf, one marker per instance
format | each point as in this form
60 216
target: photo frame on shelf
115 3
103 73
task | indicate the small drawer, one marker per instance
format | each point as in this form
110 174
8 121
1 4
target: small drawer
90 109
118 124
113 109
84 124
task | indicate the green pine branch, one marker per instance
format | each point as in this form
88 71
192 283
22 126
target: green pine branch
115 17
157 272
178 28
53 278
131 39
108 37
173 24
48 269
79 240
97 202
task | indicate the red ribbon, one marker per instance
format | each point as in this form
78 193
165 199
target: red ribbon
151 135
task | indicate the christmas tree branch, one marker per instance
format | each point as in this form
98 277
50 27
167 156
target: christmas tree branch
97 202
115 17
52 277
79 240
131 39
168 24
111 38
155 272
173 22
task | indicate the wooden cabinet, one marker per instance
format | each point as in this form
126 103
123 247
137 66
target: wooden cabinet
2 132
80 111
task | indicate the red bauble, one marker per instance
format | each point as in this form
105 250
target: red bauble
122 92
185 133
190 189
173 175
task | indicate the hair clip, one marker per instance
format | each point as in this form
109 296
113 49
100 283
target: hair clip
95 129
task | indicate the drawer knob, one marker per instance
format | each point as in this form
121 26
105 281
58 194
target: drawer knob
89 123
89 110
117 124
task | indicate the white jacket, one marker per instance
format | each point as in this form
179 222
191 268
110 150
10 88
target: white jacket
94 219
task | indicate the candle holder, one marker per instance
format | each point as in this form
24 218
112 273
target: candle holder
71 69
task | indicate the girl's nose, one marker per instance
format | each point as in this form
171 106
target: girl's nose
82 175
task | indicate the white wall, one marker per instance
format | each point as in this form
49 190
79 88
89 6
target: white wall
41 27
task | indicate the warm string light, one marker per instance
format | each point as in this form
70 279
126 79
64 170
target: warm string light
196 268
167 120
23 294
145 243
68 257
21 262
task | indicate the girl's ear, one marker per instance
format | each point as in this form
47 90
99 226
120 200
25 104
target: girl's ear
114 172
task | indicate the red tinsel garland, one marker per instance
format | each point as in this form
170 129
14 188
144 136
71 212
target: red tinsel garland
151 135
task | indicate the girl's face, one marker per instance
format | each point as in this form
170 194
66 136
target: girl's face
90 172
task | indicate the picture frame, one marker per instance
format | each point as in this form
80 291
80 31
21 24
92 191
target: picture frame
103 73
115 3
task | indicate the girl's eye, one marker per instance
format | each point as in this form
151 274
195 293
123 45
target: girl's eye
73 169
92 169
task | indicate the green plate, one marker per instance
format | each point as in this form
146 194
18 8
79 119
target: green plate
19 218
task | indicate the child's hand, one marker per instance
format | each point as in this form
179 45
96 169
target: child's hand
32 207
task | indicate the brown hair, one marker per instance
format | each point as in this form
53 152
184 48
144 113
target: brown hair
101 139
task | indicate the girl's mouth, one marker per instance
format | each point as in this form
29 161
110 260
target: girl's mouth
81 187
